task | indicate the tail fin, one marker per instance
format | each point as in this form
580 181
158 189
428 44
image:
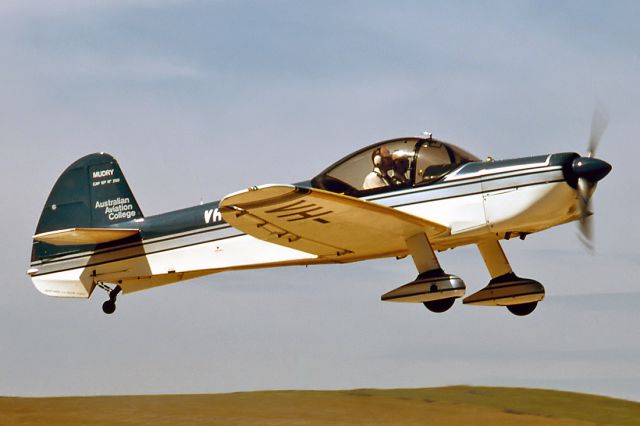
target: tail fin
91 193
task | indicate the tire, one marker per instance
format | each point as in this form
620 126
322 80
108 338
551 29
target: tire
109 307
439 306
522 309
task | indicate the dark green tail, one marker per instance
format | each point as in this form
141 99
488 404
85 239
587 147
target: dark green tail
90 193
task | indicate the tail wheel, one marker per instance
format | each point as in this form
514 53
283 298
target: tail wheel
522 309
439 306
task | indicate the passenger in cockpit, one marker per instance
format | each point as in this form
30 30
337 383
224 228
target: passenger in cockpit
382 163
400 167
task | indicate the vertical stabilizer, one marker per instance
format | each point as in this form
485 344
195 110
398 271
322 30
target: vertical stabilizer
91 193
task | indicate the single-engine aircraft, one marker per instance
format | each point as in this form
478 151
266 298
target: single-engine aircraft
407 196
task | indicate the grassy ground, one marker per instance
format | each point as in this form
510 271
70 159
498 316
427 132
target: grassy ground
450 405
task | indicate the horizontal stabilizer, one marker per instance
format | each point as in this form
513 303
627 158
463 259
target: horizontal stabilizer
84 236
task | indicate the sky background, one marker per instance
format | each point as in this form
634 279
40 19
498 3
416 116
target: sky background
200 99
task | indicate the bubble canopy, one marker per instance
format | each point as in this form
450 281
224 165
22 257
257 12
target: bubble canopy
392 164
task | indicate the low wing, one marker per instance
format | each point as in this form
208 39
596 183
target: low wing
84 236
323 223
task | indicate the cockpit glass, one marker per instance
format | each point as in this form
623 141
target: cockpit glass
461 156
386 165
435 159
393 164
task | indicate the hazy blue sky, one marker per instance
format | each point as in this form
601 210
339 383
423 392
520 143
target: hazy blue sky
200 99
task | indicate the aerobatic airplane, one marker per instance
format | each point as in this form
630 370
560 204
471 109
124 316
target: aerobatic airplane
408 196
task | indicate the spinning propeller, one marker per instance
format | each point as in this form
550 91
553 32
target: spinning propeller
587 171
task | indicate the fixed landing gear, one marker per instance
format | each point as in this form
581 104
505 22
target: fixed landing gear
519 295
522 309
439 306
109 306
432 287
436 290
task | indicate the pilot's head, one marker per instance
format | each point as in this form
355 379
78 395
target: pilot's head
381 158
400 162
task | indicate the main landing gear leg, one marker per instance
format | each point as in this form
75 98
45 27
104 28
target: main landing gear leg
428 266
519 295
432 287
109 306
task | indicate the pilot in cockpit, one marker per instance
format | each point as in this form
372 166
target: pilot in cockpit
398 173
382 164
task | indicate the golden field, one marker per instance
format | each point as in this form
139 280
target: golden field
455 405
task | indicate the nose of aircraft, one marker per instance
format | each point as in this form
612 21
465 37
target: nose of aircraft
591 169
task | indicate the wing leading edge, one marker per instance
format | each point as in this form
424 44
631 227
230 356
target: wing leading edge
323 223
